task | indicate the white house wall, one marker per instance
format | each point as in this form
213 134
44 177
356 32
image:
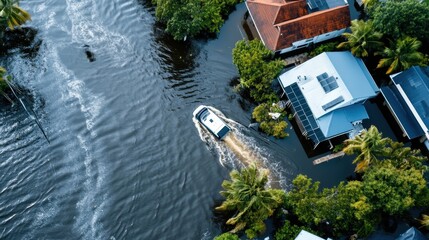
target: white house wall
329 35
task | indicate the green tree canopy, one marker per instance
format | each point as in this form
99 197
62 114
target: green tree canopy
227 236
250 201
363 40
404 157
304 198
268 125
424 221
324 47
402 18
3 85
11 15
188 18
401 55
392 190
393 182
289 231
345 207
370 5
256 68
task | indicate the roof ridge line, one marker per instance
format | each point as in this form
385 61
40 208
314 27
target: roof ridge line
266 3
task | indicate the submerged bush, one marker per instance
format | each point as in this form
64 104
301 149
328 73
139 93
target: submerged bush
290 231
257 68
269 125
227 236
189 18
325 47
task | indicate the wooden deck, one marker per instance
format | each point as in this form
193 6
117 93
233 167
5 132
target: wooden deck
327 158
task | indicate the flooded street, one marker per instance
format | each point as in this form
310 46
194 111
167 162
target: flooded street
125 159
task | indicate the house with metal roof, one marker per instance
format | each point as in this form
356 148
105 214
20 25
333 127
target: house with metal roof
408 99
286 25
304 235
327 93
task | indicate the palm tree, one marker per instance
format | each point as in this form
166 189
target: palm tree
369 4
401 55
363 40
4 85
424 221
405 157
11 15
249 200
369 147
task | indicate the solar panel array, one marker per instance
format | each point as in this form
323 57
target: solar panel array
328 83
304 113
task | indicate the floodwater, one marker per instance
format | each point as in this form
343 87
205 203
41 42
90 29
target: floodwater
115 96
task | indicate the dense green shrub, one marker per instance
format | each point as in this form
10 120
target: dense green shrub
3 84
289 231
325 47
188 18
268 125
391 184
257 69
227 236
402 18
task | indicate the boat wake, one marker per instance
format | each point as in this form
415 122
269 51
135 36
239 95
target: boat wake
238 150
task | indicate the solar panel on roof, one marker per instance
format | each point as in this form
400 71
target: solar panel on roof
333 103
328 83
304 113
322 76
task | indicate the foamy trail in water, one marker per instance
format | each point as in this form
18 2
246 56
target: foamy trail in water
215 146
237 146
246 155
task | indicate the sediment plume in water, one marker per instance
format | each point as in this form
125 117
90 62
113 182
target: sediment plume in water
242 148
246 156
249 157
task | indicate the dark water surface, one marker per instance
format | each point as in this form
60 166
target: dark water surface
125 159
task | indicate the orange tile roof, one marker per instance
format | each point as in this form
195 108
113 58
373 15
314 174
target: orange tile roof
281 22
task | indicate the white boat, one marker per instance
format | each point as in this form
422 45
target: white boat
211 122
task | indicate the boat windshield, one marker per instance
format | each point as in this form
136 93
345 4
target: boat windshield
204 115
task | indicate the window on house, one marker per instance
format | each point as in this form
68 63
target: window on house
327 82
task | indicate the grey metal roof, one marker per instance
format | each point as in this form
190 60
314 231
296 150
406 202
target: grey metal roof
415 84
401 111
354 74
304 235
